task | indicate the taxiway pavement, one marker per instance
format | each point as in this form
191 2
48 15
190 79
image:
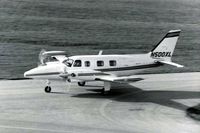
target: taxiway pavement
156 104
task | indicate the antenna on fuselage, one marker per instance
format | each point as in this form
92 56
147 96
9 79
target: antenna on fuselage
100 52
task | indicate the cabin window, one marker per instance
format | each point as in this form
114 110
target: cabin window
77 63
87 63
112 62
100 63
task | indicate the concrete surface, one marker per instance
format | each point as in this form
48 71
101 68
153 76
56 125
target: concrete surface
156 104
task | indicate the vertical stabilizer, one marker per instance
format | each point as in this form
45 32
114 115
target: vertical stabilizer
165 48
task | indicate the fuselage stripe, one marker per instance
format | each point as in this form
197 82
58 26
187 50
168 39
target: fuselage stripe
90 74
130 67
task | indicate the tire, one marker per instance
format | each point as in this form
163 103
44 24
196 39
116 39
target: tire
81 83
47 89
104 93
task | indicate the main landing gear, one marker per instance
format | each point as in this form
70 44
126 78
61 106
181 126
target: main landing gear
106 88
81 83
47 89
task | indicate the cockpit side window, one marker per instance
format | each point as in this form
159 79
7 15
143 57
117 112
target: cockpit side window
77 63
68 62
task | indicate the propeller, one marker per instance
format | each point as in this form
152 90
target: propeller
66 76
46 56
42 56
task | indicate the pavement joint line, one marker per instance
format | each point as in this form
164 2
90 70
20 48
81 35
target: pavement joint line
33 129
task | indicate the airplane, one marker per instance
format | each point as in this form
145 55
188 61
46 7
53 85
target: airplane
55 65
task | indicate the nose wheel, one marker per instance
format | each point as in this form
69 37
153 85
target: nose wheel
47 89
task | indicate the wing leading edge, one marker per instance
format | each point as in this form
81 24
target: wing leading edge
126 79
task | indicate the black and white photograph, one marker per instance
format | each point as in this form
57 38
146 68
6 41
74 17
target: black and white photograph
99 66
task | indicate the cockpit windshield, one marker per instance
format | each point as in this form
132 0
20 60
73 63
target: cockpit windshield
68 62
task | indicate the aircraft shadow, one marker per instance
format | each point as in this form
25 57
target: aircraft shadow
59 92
128 93
92 86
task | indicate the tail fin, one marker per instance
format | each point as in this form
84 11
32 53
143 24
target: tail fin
165 48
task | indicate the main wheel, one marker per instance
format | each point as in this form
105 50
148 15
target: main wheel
104 92
81 83
47 89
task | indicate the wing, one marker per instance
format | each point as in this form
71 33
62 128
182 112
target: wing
126 79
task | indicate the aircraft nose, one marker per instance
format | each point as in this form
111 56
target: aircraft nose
30 73
27 74
33 72
44 72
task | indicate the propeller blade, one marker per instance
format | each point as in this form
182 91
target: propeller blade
64 75
42 56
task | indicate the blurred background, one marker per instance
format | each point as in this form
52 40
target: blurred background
87 26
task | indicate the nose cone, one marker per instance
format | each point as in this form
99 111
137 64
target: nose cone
44 72
36 72
28 74
25 74
33 72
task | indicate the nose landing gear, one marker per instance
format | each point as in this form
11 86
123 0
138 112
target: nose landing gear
47 89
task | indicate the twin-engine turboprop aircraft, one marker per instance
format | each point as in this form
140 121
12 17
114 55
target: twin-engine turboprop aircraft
106 68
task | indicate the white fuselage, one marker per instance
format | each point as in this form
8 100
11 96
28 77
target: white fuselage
88 67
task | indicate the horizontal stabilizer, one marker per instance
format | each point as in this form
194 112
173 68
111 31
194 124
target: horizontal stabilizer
171 63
